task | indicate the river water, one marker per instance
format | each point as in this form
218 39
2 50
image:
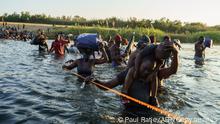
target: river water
35 89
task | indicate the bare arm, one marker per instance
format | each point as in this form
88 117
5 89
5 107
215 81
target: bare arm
71 66
102 60
47 47
131 59
203 47
128 80
66 41
52 48
166 72
110 84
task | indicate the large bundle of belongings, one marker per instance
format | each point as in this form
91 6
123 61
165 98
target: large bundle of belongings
208 42
88 41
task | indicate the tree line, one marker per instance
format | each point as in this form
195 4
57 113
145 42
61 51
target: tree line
164 24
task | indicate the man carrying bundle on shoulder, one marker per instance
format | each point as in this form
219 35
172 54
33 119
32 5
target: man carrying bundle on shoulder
200 47
87 44
143 77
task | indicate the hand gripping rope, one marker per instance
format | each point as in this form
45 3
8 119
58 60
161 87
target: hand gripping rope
161 111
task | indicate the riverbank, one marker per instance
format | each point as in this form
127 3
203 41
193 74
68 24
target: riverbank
51 30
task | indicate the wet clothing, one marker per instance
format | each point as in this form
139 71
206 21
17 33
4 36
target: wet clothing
199 60
84 71
199 53
59 47
43 47
138 90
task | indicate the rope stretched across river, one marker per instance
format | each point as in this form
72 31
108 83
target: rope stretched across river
161 111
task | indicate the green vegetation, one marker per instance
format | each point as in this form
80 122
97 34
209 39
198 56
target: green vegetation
127 32
190 38
186 32
105 32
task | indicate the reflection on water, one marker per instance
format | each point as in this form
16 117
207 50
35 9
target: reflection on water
34 88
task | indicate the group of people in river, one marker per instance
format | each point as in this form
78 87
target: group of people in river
145 67
15 32
59 46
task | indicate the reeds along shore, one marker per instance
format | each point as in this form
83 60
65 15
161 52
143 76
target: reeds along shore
51 30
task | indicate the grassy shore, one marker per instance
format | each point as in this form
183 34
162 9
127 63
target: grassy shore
33 26
51 30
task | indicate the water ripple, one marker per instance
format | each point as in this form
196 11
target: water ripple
35 89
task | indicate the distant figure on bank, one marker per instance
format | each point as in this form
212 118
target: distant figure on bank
23 26
18 27
200 51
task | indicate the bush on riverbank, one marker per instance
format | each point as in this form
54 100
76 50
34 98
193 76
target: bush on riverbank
127 33
191 38
105 32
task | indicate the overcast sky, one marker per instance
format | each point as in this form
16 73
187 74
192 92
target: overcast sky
205 11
